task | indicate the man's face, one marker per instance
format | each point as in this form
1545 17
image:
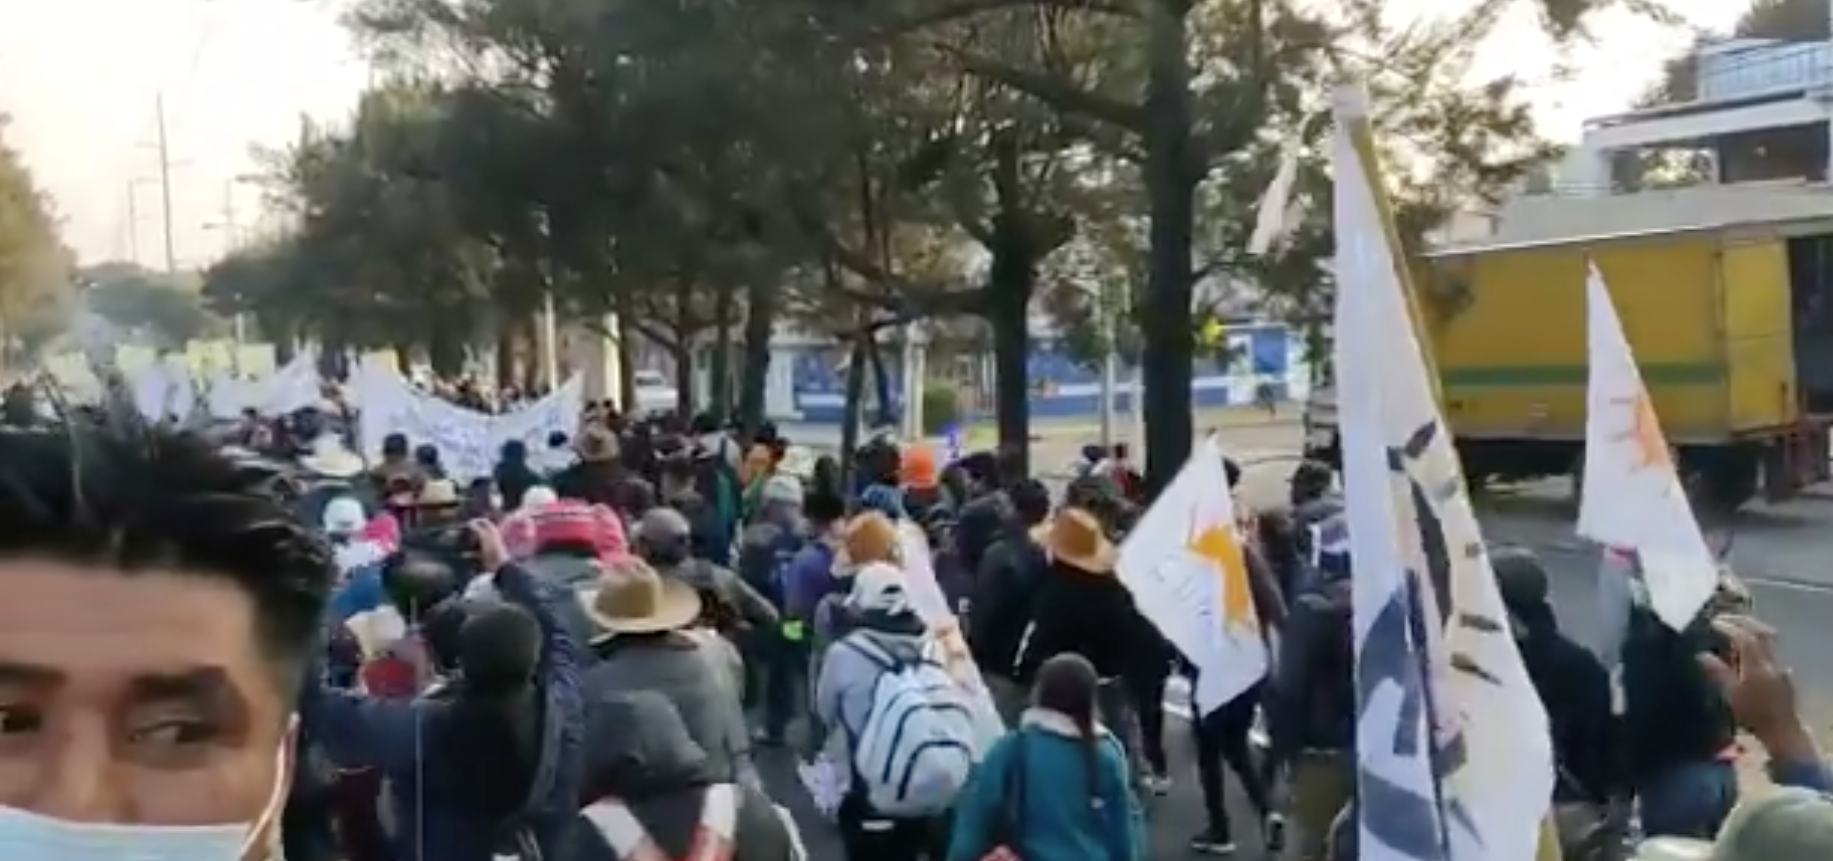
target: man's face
138 699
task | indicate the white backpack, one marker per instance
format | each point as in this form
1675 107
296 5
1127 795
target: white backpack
917 746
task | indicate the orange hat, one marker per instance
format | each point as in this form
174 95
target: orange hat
918 467
868 538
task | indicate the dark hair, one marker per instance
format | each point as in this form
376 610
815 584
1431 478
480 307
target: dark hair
1031 499
1066 684
119 493
824 478
498 647
824 507
394 445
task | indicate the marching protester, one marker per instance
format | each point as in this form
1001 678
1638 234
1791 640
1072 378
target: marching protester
650 787
448 705
906 731
1056 788
493 766
642 645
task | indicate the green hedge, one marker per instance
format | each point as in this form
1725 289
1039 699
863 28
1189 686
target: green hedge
941 407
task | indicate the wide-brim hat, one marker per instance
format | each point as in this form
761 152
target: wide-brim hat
438 493
1075 538
333 461
633 599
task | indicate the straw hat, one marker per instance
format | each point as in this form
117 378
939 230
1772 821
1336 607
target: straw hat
633 599
868 538
1075 538
598 444
438 493
332 459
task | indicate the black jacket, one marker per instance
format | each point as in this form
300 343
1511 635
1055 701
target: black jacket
640 753
1312 703
1001 603
1575 689
1092 615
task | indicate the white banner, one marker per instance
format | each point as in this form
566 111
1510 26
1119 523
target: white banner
293 387
468 441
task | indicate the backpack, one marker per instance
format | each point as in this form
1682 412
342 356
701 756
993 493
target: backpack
713 839
917 746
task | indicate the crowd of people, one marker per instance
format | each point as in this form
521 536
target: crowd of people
583 655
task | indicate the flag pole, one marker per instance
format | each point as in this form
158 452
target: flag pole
1353 112
1352 109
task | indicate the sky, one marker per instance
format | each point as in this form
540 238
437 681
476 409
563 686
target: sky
81 80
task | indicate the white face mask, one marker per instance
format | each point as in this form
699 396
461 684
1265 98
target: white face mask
28 836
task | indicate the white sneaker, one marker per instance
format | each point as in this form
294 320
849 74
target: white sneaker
1158 784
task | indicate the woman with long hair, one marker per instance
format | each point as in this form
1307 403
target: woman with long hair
1056 788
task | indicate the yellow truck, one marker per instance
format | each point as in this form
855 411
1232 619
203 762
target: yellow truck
1732 327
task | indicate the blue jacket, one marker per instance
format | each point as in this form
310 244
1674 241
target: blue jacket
1064 818
390 735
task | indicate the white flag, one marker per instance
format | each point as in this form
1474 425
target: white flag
1454 762
1184 564
1632 497
1277 212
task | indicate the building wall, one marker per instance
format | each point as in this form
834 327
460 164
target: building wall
807 379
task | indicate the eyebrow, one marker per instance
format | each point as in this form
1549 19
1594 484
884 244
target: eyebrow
209 685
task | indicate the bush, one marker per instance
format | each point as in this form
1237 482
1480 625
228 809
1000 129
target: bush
941 407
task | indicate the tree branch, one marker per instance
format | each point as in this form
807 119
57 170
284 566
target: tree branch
1054 92
956 10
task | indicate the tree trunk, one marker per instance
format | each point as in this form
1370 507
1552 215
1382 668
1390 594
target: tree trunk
1007 317
760 320
506 353
626 354
1169 346
885 414
446 353
719 371
849 418
1011 277
683 351
404 358
528 331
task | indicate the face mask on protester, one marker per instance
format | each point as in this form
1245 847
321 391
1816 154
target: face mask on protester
28 836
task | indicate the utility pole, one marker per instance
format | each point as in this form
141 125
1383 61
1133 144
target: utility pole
165 185
232 235
133 222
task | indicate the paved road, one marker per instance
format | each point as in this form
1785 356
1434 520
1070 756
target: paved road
1782 552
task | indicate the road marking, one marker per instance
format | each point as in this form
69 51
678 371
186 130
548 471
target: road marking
1790 585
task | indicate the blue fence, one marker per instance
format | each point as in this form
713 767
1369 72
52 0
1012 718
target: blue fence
808 381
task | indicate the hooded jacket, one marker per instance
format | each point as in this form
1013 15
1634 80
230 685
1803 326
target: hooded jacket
429 761
843 693
640 753
676 666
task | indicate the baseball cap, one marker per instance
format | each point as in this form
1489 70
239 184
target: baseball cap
343 516
878 586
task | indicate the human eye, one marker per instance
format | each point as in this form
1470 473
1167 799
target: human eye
17 720
173 732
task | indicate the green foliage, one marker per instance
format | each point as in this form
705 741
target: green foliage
941 407
34 264
136 298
